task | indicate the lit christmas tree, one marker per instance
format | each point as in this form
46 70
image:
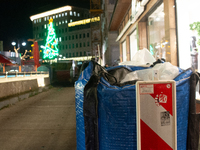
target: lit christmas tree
50 50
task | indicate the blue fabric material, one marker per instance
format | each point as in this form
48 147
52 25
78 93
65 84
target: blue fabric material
117 114
79 97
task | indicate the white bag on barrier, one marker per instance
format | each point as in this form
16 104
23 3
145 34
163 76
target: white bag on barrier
165 71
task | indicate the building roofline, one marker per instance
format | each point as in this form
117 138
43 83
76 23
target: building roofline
53 11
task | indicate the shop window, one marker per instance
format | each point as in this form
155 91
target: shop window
124 51
156 34
133 44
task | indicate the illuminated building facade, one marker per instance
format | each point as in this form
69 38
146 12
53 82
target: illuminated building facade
74 41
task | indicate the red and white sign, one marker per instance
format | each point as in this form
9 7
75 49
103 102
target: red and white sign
156 115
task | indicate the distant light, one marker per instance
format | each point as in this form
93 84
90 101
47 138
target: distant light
13 43
24 44
51 12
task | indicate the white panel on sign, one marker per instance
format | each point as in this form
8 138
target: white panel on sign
156 115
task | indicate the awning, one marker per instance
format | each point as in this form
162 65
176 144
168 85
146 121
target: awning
6 60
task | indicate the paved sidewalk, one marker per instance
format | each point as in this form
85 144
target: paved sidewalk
43 122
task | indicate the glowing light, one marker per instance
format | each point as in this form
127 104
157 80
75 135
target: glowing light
13 43
51 12
50 49
24 44
85 21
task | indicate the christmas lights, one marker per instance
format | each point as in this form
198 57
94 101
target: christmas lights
50 49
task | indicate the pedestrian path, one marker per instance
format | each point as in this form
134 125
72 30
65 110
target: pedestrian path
44 121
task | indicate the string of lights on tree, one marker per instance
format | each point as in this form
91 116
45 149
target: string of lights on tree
50 50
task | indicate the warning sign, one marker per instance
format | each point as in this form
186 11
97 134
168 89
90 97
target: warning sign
156 115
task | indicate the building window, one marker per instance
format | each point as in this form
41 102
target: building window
76 45
84 53
62 30
59 30
69 54
62 38
34 21
80 53
72 45
63 22
88 34
66 55
56 23
70 13
66 21
124 51
76 36
74 13
45 26
78 14
72 37
73 54
80 44
40 20
66 46
112 2
84 44
59 22
88 43
59 15
76 54
65 29
45 18
65 13
83 35
80 36
69 37
70 20
66 38
69 46
63 48
56 16
156 33
53 17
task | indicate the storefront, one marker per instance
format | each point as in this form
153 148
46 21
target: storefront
188 31
146 24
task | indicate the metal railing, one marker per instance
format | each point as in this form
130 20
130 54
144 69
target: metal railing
15 74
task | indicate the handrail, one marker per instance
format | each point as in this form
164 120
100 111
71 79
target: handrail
8 74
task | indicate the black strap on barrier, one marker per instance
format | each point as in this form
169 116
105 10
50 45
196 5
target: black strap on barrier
193 118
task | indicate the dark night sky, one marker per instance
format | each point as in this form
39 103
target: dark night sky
15 22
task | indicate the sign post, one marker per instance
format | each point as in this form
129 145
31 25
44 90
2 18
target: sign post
156 115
